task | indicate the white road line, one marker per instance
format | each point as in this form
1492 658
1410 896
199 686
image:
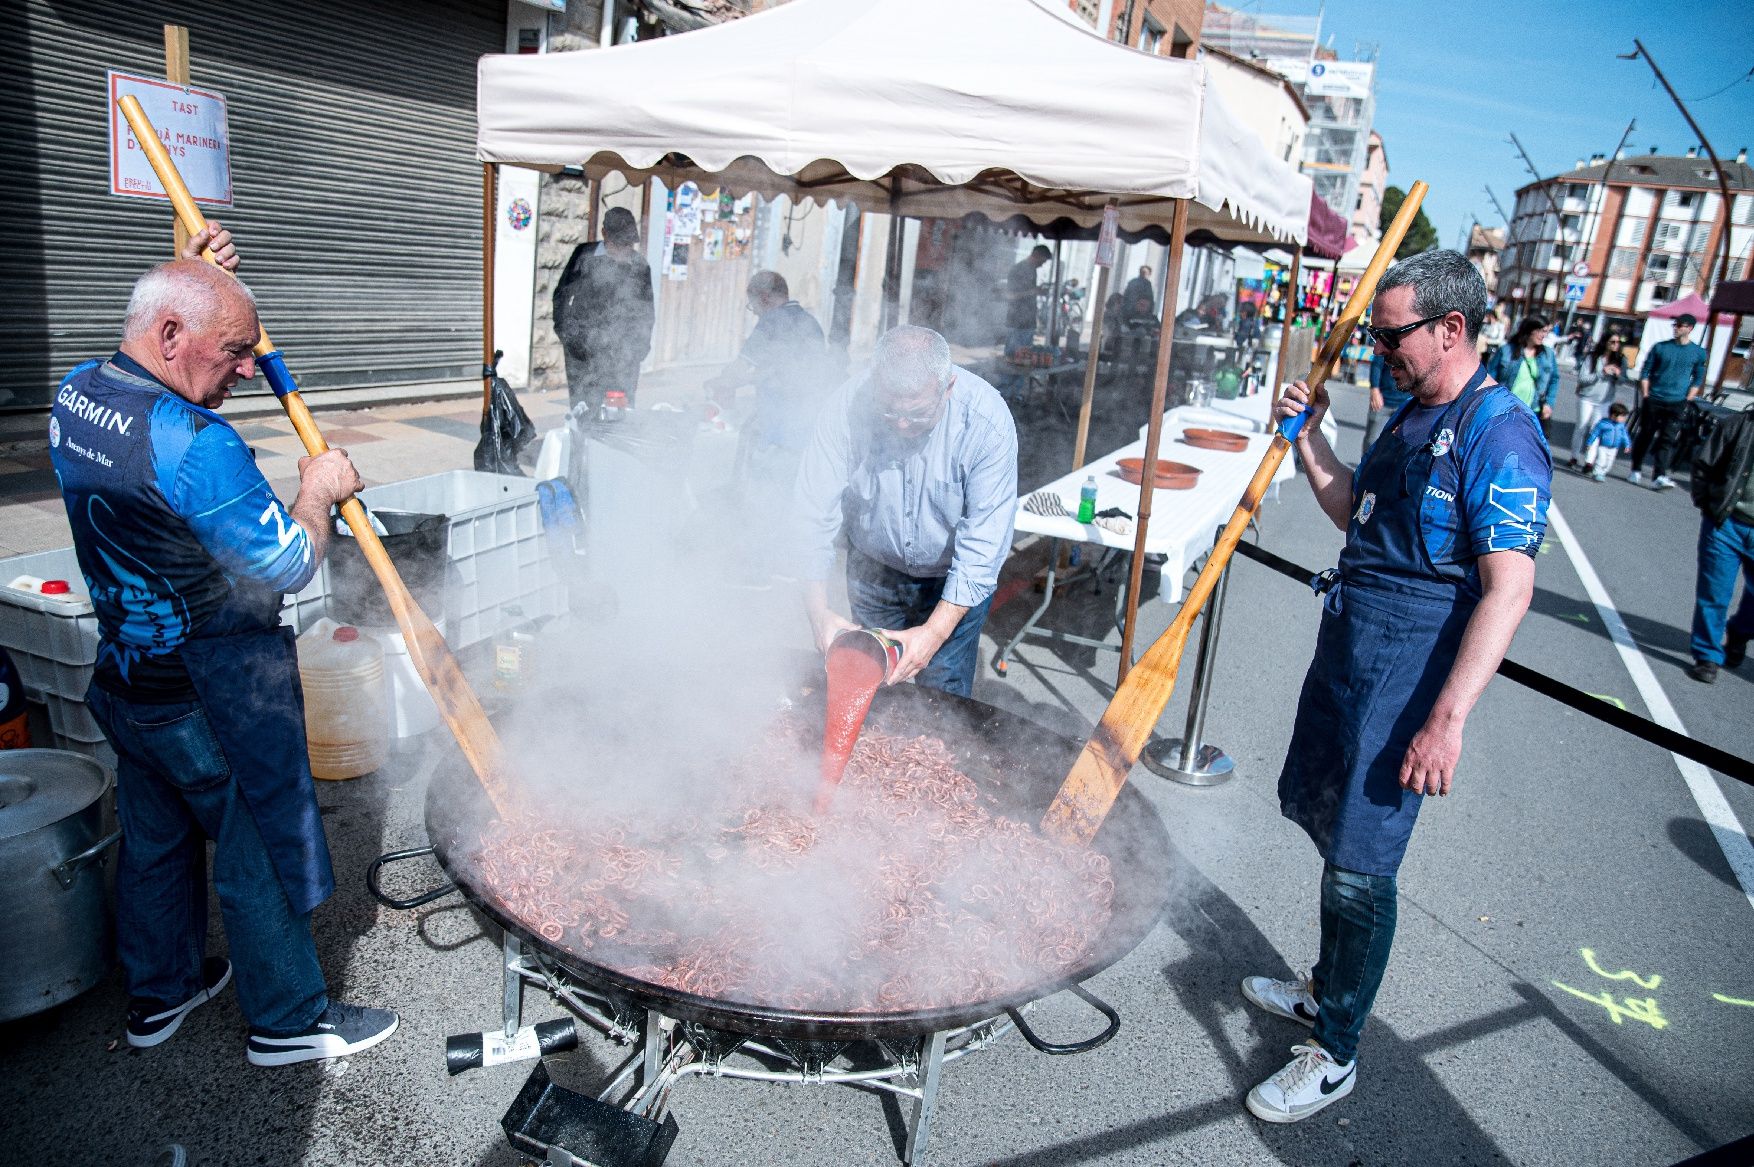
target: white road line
1725 827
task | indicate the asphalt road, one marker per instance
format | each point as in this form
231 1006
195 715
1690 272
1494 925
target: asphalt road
1569 873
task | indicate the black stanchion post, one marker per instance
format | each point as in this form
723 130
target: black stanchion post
1187 759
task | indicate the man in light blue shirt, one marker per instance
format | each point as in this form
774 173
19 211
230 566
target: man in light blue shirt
915 462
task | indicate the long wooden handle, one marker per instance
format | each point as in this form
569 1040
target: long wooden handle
1101 769
427 649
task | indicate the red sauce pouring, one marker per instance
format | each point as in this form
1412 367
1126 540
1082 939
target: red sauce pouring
858 662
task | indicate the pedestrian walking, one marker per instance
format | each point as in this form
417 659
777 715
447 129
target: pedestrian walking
1597 388
1674 373
916 462
1443 519
187 553
1491 337
603 313
1608 436
1527 367
1722 484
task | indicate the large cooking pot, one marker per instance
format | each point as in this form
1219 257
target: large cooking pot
54 916
1015 761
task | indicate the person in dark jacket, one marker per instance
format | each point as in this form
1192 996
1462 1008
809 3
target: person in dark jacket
603 313
1723 490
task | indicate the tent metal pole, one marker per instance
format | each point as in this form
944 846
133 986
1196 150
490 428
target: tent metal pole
1285 327
1090 364
1153 434
489 213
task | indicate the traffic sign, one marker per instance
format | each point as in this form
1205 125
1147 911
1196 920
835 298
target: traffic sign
1581 269
1575 290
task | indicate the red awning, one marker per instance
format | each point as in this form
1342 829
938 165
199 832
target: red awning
1328 234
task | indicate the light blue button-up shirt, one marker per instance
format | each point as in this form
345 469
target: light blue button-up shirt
935 505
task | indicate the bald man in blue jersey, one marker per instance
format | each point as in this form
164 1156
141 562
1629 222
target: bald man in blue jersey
187 554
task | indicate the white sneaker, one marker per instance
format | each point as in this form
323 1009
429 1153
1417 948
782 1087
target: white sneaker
1635 478
1290 999
1663 482
1311 1081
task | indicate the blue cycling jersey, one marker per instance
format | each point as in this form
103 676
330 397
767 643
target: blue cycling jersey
177 532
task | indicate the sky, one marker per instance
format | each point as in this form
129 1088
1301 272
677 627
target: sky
1455 80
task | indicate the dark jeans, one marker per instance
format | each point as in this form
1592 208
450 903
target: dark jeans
1723 549
1659 431
174 791
885 598
1358 927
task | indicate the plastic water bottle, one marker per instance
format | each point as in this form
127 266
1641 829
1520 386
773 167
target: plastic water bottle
1087 500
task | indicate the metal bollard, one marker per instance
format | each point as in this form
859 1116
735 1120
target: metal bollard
1186 759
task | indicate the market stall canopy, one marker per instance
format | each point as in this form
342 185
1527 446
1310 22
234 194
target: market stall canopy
1692 304
1329 234
929 108
1735 296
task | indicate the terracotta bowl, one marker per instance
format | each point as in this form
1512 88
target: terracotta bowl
1225 440
1169 475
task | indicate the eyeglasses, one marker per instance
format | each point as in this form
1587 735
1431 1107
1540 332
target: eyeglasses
922 418
1391 338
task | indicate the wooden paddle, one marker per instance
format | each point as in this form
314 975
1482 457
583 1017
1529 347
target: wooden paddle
427 650
1102 768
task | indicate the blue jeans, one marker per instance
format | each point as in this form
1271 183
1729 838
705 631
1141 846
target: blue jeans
1723 547
1358 927
174 791
885 598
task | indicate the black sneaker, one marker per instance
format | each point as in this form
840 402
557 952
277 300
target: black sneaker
1735 651
341 1030
1703 671
152 1022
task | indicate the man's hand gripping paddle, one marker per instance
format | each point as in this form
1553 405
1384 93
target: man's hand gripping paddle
426 648
1101 769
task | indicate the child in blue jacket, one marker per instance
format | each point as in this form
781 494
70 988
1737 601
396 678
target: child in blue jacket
1607 439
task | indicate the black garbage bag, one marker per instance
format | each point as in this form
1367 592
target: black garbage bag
505 429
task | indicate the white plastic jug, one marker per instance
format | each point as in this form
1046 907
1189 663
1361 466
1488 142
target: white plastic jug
347 726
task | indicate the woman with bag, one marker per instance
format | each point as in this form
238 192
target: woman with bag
1597 386
1527 367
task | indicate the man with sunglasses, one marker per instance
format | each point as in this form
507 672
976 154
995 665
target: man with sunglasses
1443 518
915 463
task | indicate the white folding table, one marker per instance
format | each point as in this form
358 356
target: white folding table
1184 523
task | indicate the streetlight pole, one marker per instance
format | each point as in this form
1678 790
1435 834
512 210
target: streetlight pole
1558 215
1601 207
1509 230
1717 168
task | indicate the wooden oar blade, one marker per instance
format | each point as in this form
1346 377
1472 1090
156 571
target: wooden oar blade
1101 769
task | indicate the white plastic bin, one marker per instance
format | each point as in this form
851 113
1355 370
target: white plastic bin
52 639
498 553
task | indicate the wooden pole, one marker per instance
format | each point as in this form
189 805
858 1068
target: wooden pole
489 217
1101 769
427 650
1153 433
1090 363
1285 327
176 71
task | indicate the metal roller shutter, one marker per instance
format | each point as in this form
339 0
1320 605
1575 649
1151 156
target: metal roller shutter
353 159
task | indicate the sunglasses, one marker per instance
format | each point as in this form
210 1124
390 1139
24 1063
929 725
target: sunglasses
1391 338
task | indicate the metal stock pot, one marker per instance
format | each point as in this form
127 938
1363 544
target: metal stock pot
54 915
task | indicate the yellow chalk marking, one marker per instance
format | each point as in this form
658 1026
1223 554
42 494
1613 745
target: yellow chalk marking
1646 983
1732 1000
1614 701
1646 1010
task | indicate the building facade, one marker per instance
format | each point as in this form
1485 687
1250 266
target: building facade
1484 246
1169 28
1637 232
1367 210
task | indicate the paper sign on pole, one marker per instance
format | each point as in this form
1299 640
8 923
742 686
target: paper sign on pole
1105 241
192 124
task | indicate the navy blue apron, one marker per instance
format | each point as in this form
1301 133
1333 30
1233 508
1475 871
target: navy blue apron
1391 628
248 683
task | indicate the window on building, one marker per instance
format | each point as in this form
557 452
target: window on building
1657 266
1662 294
1668 233
1621 262
1150 35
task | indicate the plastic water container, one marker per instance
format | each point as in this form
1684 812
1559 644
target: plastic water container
411 708
347 722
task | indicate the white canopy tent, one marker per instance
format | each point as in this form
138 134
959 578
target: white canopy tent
921 108
927 108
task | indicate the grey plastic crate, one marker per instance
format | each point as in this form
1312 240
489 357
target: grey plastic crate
52 639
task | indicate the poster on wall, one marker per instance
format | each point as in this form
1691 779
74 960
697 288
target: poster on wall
714 249
687 211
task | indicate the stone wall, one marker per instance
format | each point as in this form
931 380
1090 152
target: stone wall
563 224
